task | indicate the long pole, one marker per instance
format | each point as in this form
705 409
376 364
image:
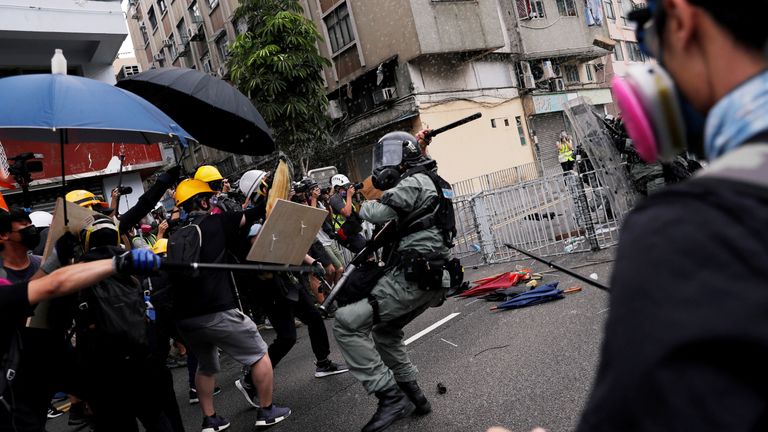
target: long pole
62 140
120 180
450 126
177 266
561 268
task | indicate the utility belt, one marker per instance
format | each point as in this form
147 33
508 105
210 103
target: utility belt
427 270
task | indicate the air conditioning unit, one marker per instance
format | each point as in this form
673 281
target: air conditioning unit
383 94
528 81
557 85
334 109
158 57
558 70
167 42
549 71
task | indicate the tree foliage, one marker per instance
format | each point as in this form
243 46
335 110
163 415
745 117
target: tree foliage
277 64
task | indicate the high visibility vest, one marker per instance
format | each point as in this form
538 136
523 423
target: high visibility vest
566 154
338 220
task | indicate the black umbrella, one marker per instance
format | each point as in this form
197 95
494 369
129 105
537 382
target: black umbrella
216 113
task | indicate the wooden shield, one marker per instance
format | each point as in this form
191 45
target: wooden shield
287 234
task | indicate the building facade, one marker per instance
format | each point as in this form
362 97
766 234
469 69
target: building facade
410 64
90 34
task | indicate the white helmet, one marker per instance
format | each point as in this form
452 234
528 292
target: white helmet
339 180
250 180
41 219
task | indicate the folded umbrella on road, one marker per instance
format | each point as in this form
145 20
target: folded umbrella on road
504 280
505 293
542 294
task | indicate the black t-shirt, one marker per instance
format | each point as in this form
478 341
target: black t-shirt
14 310
213 290
18 276
686 343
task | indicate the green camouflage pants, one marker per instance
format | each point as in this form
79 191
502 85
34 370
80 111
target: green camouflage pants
375 353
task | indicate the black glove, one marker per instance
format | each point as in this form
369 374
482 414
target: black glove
137 261
318 269
171 176
65 247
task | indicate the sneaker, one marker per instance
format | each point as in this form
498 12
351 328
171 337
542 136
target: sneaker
249 391
193 399
271 415
53 412
77 414
215 423
327 367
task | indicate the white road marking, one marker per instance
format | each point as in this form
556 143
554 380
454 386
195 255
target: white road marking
432 327
473 301
449 342
604 310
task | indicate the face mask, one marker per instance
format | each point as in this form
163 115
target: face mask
30 237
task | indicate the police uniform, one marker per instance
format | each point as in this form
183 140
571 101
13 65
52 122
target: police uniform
369 332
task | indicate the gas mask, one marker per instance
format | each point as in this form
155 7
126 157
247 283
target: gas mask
387 157
658 118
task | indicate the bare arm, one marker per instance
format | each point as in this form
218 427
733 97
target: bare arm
68 280
347 210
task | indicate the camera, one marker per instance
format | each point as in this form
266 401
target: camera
23 166
125 190
358 186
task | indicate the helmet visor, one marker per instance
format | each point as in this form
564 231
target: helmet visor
387 153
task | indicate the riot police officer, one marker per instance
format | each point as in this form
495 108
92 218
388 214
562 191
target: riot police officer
368 328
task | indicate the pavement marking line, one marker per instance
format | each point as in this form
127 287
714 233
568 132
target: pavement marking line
430 328
449 342
604 310
473 301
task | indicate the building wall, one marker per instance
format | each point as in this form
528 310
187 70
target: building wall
477 148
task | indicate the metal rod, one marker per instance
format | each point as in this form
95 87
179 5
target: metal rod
450 126
120 181
63 140
561 268
176 266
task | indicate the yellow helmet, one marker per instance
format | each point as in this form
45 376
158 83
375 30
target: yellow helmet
208 173
83 198
189 188
161 246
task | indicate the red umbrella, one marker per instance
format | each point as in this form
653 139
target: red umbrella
504 280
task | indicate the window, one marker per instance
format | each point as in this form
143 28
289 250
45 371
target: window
633 52
181 28
520 130
152 17
194 10
144 34
572 74
506 122
609 10
588 69
618 52
172 48
530 9
161 6
339 28
206 61
222 46
212 4
493 123
626 8
566 7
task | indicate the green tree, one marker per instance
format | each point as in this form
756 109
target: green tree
277 64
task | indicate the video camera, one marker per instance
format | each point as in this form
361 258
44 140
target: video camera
358 186
125 190
23 166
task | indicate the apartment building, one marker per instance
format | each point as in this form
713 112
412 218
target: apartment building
626 49
194 34
90 34
409 64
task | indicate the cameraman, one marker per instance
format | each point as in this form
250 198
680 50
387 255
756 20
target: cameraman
346 222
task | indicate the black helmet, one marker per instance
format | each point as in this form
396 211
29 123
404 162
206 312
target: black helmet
305 185
392 155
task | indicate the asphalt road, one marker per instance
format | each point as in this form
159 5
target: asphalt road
520 369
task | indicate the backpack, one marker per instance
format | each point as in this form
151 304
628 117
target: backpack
185 244
110 321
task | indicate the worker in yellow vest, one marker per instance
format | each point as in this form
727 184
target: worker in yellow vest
565 152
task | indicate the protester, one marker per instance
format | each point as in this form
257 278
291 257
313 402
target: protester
686 344
26 397
221 201
18 236
206 307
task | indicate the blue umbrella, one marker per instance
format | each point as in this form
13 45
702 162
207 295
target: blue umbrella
542 294
67 109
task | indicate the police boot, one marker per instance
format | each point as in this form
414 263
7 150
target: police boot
414 393
393 405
